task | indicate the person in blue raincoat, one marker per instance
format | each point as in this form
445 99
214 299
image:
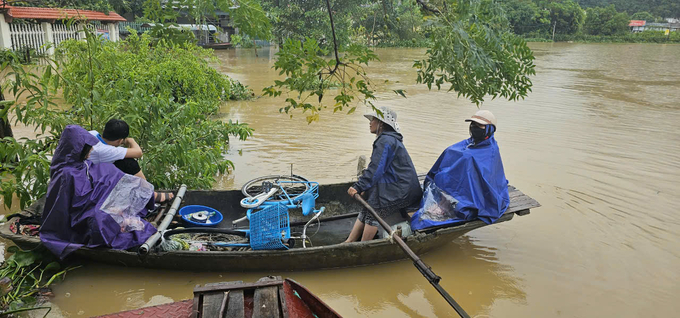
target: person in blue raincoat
390 183
467 182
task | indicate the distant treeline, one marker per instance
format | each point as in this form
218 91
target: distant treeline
568 20
656 8
408 22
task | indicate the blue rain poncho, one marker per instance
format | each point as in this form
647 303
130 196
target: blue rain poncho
390 178
467 182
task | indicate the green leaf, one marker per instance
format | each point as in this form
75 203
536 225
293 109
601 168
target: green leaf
400 92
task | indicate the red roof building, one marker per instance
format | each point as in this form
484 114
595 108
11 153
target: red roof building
637 23
53 14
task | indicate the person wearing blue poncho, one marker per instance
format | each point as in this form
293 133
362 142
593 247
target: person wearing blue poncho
467 182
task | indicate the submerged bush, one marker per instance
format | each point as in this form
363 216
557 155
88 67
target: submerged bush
640 37
165 91
25 278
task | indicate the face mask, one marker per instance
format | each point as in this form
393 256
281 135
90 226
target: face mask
477 134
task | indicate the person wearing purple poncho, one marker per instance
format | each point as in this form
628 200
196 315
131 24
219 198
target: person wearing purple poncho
92 205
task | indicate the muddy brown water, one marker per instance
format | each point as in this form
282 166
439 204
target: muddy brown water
596 143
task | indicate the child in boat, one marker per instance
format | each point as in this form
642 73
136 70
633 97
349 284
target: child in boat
390 183
90 204
109 148
467 182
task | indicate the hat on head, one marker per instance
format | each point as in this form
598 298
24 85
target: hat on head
388 117
483 117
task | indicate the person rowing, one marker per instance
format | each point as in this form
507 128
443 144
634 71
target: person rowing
390 183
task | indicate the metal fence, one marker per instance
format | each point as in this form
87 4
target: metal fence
137 26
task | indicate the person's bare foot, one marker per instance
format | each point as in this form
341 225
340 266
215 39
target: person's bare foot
163 197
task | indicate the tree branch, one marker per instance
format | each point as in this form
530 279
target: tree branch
427 7
335 40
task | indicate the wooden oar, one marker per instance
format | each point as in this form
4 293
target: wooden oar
422 267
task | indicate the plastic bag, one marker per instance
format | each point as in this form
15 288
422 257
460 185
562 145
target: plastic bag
437 205
127 199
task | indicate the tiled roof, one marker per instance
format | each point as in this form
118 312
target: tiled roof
60 14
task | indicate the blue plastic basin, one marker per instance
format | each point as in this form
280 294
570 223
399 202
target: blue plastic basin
189 209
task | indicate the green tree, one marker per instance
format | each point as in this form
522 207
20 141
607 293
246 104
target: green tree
247 15
525 16
301 19
566 16
388 23
166 92
643 15
606 21
472 53
658 8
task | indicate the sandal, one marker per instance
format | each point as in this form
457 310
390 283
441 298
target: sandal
163 197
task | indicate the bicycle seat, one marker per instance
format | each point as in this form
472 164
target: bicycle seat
307 203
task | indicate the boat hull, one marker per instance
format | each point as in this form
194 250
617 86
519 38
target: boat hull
331 254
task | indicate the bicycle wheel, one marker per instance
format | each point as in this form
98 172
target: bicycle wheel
259 185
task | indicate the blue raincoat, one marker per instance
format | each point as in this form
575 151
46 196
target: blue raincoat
467 182
390 178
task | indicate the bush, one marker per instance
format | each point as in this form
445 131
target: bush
166 92
242 41
641 37
25 278
23 56
415 42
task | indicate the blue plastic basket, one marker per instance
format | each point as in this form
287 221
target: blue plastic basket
269 227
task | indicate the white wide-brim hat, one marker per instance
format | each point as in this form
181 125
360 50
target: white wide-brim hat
484 117
388 117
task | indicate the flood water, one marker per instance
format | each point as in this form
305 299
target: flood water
596 143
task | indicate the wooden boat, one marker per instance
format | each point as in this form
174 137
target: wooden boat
328 251
268 297
217 46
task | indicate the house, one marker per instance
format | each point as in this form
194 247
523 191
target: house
639 25
50 27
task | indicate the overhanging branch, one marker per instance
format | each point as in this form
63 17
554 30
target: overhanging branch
427 7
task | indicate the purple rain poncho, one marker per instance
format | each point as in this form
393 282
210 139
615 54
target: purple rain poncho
92 205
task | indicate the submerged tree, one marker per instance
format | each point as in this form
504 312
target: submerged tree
167 93
247 15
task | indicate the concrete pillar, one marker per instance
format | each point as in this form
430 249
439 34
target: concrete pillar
5 36
113 31
81 32
49 37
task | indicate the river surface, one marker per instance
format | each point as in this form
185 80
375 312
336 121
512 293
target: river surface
597 144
